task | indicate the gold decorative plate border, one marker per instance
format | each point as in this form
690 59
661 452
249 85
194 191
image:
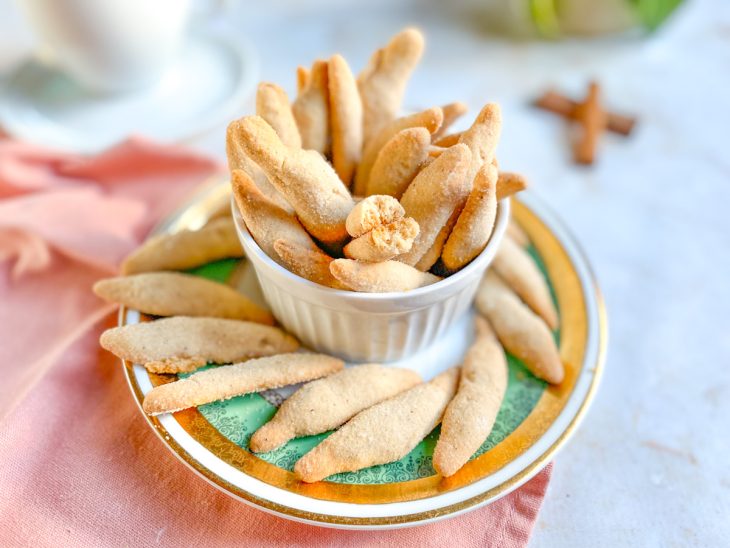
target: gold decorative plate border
573 339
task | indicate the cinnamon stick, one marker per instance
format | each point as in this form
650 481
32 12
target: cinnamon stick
559 104
593 121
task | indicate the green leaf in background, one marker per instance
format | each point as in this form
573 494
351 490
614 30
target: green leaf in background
545 17
653 13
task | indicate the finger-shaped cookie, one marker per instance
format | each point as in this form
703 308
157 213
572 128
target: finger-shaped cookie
221 210
383 81
383 242
181 344
515 266
474 226
510 183
238 379
521 332
237 159
434 252
437 191
325 404
448 140
311 108
518 234
383 433
303 78
436 151
431 256
185 249
346 118
398 162
380 277
430 119
470 416
304 177
371 212
482 137
266 221
272 104
311 264
178 294
452 112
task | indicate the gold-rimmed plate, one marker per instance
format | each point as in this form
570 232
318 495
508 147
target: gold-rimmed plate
534 422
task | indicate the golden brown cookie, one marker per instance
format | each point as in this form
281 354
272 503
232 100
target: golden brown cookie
452 112
509 184
310 264
346 118
435 194
325 404
515 266
181 344
447 140
266 221
383 433
238 379
311 108
383 81
304 177
430 119
371 212
470 416
380 277
178 294
185 249
521 331
434 252
399 161
482 137
272 104
383 242
238 159
474 226
517 233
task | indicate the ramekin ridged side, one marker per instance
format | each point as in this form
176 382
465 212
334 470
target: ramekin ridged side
368 327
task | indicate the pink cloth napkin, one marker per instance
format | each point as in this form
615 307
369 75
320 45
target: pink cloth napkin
78 464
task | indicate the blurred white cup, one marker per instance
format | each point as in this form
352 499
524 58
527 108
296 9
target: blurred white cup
109 45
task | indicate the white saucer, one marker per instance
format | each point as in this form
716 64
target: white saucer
204 87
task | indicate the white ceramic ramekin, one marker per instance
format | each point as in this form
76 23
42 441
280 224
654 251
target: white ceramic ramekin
368 327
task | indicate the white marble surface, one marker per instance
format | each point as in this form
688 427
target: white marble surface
651 464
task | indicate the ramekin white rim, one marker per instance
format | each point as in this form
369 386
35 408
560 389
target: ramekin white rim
500 227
